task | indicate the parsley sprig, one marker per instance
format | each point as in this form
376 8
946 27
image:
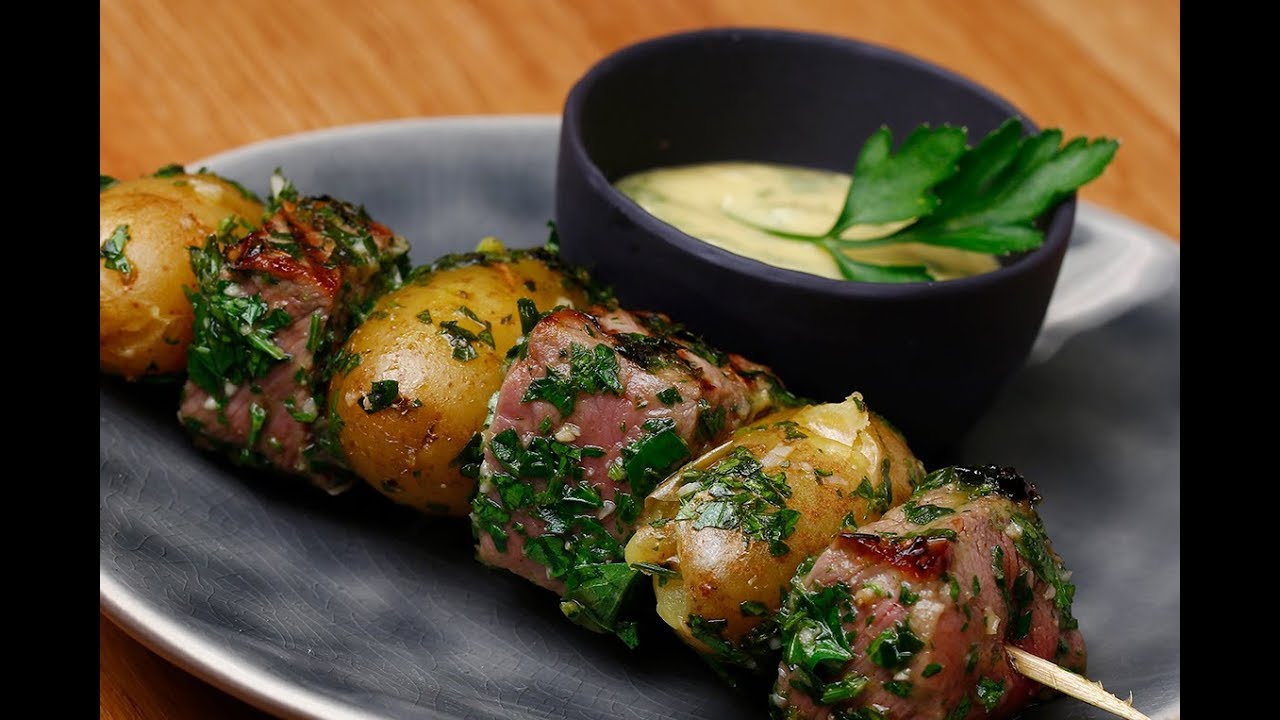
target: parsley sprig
234 335
984 199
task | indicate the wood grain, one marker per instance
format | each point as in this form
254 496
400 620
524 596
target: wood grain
182 79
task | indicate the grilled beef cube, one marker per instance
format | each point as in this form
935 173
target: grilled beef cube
593 413
271 310
908 617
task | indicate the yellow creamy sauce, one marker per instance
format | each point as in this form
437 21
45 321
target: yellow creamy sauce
703 200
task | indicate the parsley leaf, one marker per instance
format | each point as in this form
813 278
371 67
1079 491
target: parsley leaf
382 396
647 459
106 181
890 186
169 170
670 396
597 596
985 199
113 252
736 493
893 648
463 339
1004 184
590 372
990 692
924 514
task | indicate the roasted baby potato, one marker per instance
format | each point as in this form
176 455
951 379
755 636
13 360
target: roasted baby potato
145 228
424 365
724 536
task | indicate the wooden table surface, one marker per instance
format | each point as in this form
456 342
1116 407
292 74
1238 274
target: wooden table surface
183 79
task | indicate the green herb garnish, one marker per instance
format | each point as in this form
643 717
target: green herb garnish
984 199
893 648
382 396
112 251
169 170
990 692
736 493
842 690
463 339
233 335
924 514
590 372
901 688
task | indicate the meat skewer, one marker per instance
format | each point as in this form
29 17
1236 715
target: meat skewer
723 536
595 410
271 310
932 611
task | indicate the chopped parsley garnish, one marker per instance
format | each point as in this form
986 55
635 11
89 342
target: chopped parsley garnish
546 479
984 199
308 413
906 596
961 710
469 458
169 170
893 648
930 670
245 192
665 329
1033 546
752 608
791 430
112 251
990 692
647 459
670 396
106 181
596 596
710 631
924 514
815 643
997 571
710 421
382 396
844 689
1022 596
590 372
424 317
315 333
463 339
343 362
662 573
901 688
233 335
879 498
257 418
529 315
736 493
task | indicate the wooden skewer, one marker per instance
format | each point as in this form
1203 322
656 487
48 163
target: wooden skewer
1069 683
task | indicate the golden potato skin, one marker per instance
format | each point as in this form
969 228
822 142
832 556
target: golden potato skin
144 319
718 569
405 451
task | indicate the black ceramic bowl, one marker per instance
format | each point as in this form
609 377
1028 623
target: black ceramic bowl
928 356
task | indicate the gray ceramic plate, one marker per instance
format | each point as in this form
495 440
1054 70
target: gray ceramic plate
348 608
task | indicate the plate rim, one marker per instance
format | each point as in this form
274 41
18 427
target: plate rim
220 666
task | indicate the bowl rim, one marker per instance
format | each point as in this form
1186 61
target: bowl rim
1057 232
